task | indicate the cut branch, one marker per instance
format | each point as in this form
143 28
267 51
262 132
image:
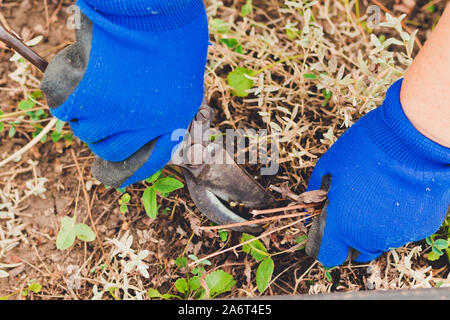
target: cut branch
14 43
263 220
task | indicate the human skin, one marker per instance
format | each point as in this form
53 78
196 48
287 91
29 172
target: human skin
425 93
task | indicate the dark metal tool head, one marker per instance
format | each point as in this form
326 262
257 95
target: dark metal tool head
212 176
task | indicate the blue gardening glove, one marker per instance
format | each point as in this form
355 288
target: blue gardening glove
390 185
136 74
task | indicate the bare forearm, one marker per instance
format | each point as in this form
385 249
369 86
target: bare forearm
425 94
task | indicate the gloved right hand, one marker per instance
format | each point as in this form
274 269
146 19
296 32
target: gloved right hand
135 75
390 185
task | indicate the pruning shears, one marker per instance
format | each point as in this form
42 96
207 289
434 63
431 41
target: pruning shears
211 183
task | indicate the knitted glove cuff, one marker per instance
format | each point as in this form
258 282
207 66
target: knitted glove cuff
391 131
146 15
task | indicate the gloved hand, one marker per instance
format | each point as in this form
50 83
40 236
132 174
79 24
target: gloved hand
390 185
135 74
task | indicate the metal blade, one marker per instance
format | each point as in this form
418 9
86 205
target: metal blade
210 205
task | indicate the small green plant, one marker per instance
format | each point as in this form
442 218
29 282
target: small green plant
440 241
123 202
32 287
438 246
223 234
159 184
71 230
29 108
328 273
191 287
220 26
242 79
247 8
259 252
233 44
301 239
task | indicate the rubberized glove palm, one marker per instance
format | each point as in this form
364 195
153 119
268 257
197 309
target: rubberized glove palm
390 186
136 74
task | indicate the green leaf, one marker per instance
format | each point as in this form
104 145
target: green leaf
327 95
55 136
255 248
43 139
437 251
37 94
153 293
35 287
264 274
301 239
154 177
193 257
205 262
291 34
84 232
125 199
111 292
149 201
59 126
181 285
68 137
38 113
219 282
310 76
167 185
12 132
238 49
65 238
223 235
181 262
232 44
67 222
2 126
247 8
26 105
123 208
238 81
441 244
167 296
220 26
328 276
431 8
194 283
433 256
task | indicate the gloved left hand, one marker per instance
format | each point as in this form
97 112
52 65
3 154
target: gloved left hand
135 75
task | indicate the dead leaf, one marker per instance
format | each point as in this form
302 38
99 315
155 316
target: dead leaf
35 152
147 221
57 166
195 225
181 232
314 196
